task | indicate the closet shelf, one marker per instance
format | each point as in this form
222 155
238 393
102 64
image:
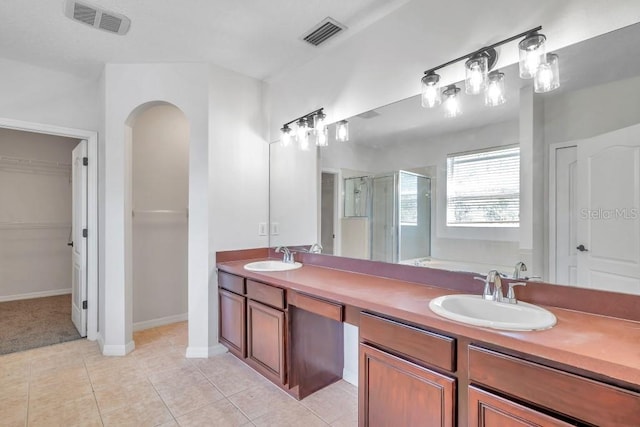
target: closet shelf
18 225
22 165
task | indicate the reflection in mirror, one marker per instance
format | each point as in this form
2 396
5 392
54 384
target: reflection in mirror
577 178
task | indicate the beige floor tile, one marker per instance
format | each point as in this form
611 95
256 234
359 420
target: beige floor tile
186 397
82 412
332 402
259 400
120 395
138 414
347 420
295 416
182 375
13 410
230 375
57 394
219 414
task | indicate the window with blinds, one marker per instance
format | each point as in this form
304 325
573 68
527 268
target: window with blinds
483 188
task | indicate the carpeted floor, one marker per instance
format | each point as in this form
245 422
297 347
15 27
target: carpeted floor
37 322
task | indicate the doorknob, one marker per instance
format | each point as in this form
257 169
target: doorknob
581 248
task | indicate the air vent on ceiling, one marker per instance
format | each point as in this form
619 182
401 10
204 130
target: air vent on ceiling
98 18
323 31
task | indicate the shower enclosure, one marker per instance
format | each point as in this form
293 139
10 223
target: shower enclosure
398 209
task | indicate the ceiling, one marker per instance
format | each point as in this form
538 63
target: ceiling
254 37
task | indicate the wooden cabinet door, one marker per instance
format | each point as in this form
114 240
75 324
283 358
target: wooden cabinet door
265 340
232 322
395 392
489 410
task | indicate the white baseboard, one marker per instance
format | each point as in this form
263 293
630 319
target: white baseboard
118 350
139 326
31 295
205 352
350 376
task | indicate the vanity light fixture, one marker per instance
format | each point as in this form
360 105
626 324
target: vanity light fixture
311 124
479 79
451 101
342 131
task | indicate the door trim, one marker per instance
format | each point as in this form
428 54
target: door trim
552 204
92 205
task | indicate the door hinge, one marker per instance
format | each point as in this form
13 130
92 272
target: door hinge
84 305
85 232
85 161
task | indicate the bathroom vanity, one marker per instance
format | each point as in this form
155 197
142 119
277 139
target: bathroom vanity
416 368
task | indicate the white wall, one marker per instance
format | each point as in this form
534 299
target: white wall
41 95
384 62
128 87
160 185
35 215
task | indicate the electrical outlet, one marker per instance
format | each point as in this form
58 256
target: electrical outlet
275 228
262 229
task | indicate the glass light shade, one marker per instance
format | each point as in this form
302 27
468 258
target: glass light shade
342 131
532 54
451 101
319 121
285 136
303 134
548 75
494 94
431 90
322 137
476 74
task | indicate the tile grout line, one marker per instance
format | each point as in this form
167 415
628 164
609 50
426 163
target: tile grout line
93 390
26 419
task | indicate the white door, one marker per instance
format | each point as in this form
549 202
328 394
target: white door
78 233
608 177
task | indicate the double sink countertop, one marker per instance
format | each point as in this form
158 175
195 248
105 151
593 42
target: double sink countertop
606 346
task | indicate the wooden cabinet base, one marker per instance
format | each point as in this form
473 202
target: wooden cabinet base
396 392
232 322
265 340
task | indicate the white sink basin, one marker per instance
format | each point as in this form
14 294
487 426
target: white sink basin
271 265
475 310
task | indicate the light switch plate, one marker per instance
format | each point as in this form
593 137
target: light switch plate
275 228
262 229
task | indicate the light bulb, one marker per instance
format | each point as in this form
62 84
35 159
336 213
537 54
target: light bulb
494 94
285 136
319 121
342 131
303 134
322 137
451 101
531 54
431 90
476 74
548 76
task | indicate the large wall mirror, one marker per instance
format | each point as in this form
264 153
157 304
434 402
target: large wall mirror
559 188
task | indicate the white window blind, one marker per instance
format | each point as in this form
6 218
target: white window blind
483 188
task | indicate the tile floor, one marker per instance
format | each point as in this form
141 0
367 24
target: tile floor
72 384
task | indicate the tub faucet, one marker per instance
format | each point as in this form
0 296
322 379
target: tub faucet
520 267
287 256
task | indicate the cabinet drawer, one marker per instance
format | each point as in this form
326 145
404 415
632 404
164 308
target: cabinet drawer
231 282
318 306
428 347
269 295
580 398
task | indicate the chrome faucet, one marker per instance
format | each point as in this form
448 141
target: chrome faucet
511 295
287 256
520 267
494 277
316 248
